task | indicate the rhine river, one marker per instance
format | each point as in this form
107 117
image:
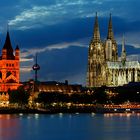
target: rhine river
70 127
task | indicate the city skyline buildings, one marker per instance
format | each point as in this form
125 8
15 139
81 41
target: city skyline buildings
33 27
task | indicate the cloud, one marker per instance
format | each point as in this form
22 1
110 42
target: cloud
22 59
29 15
25 69
64 64
40 15
69 55
25 14
133 57
132 38
60 31
137 46
28 52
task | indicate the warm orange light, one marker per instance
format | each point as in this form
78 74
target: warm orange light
9 67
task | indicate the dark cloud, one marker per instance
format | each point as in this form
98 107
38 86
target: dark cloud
65 32
8 3
129 50
63 64
67 64
72 30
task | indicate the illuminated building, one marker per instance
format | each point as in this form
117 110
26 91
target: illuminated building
52 86
4 99
104 66
9 66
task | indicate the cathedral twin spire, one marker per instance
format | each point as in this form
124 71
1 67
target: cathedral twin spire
110 34
110 45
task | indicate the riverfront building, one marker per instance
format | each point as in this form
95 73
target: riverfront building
51 87
9 66
104 66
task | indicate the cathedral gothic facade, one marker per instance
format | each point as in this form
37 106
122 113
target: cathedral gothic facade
104 65
9 66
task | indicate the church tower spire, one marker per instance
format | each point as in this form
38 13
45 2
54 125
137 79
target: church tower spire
110 34
111 49
7 48
96 58
96 30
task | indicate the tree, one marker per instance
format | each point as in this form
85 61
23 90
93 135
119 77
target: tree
19 96
100 95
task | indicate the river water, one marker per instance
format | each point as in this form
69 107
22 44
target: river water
70 127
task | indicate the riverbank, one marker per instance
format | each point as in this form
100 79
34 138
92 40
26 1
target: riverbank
82 109
7 110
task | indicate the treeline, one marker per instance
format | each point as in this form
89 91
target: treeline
19 96
48 97
101 95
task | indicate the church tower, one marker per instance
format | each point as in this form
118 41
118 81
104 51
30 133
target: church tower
96 59
9 63
111 51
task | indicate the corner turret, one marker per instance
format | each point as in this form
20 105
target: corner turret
17 51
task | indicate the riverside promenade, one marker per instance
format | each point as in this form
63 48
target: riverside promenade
76 108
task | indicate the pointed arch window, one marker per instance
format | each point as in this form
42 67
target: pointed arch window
98 69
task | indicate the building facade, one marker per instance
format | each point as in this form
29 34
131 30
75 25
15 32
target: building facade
52 87
9 66
104 65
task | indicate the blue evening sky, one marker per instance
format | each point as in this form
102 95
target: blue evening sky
60 32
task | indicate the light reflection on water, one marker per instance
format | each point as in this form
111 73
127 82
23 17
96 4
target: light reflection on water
116 126
127 115
8 127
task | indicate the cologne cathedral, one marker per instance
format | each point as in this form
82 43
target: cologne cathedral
105 67
9 66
